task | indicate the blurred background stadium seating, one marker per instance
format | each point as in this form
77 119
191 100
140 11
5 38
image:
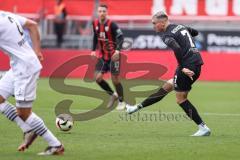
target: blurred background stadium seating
217 20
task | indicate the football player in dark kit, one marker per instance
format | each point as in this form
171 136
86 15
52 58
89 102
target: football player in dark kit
109 38
179 39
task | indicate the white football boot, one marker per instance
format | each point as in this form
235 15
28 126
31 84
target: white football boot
202 131
131 109
58 150
121 106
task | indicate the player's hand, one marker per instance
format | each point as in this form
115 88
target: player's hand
40 56
93 54
188 72
116 56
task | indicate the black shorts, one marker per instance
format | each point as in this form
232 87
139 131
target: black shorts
108 66
182 82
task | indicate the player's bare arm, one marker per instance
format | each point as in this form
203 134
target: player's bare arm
32 26
119 41
94 47
188 72
172 43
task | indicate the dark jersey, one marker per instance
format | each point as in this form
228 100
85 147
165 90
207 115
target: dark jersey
108 36
179 39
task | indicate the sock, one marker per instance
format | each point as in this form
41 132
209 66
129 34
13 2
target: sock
202 125
104 85
10 112
192 112
119 90
51 139
154 98
40 129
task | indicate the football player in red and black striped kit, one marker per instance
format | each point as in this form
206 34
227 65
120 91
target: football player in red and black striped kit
108 37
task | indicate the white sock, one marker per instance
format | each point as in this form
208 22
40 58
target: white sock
51 139
40 129
202 126
10 112
24 126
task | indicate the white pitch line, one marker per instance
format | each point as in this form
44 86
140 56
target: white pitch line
149 112
221 114
208 114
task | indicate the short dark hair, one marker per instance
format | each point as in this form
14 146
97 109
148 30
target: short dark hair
103 5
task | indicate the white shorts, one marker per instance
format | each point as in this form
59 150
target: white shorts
22 87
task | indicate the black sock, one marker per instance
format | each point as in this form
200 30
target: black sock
104 85
154 98
119 90
192 112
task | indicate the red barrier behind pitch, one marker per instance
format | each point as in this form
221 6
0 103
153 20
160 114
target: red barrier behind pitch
217 67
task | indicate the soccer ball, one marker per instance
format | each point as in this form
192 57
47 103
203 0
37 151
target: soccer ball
64 122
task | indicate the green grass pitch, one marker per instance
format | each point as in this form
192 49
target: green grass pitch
116 136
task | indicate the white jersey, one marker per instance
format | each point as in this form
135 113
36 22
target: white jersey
23 59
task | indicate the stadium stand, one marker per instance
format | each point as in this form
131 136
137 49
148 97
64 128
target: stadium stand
219 38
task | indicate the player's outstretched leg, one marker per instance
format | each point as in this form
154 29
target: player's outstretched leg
192 113
119 89
11 113
38 128
152 99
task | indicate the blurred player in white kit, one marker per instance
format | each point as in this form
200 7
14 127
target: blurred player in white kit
21 80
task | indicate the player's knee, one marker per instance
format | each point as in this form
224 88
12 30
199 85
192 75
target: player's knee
98 79
115 81
180 100
168 87
23 116
170 81
1 99
24 113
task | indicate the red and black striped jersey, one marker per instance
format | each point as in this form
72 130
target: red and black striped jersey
105 36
